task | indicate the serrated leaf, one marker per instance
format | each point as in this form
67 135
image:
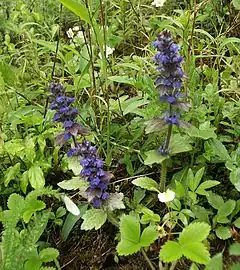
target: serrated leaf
32 206
130 235
195 232
149 235
11 173
153 157
235 249
223 232
74 183
93 219
206 185
32 264
16 202
146 183
36 177
48 254
216 263
196 252
115 201
171 251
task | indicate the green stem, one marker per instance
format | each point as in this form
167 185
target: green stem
147 259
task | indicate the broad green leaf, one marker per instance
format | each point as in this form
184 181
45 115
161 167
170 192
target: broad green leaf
154 125
215 200
191 180
216 263
24 182
179 144
237 223
171 251
74 165
122 79
11 173
48 254
146 183
114 201
236 4
223 232
235 178
153 157
132 107
71 220
235 249
219 149
32 205
226 208
16 202
206 133
149 235
195 232
77 8
205 185
130 235
196 252
32 264
93 219
36 177
193 267
74 183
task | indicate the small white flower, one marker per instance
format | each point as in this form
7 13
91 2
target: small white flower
109 51
167 196
158 3
70 33
76 28
70 205
80 35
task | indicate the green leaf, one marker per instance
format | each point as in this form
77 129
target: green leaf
74 165
219 149
235 266
205 133
122 79
71 220
133 106
226 208
171 251
48 254
223 232
216 263
205 185
74 183
153 157
36 177
32 205
237 223
32 264
179 144
77 8
114 201
11 173
235 249
130 235
236 4
16 202
196 252
93 219
149 235
195 232
215 200
146 183
235 178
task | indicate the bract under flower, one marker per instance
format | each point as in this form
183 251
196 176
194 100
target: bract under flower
70 205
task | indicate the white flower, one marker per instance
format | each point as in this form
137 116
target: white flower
70 33
158 3
80 35
70 205
109 51
76 28
167 196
